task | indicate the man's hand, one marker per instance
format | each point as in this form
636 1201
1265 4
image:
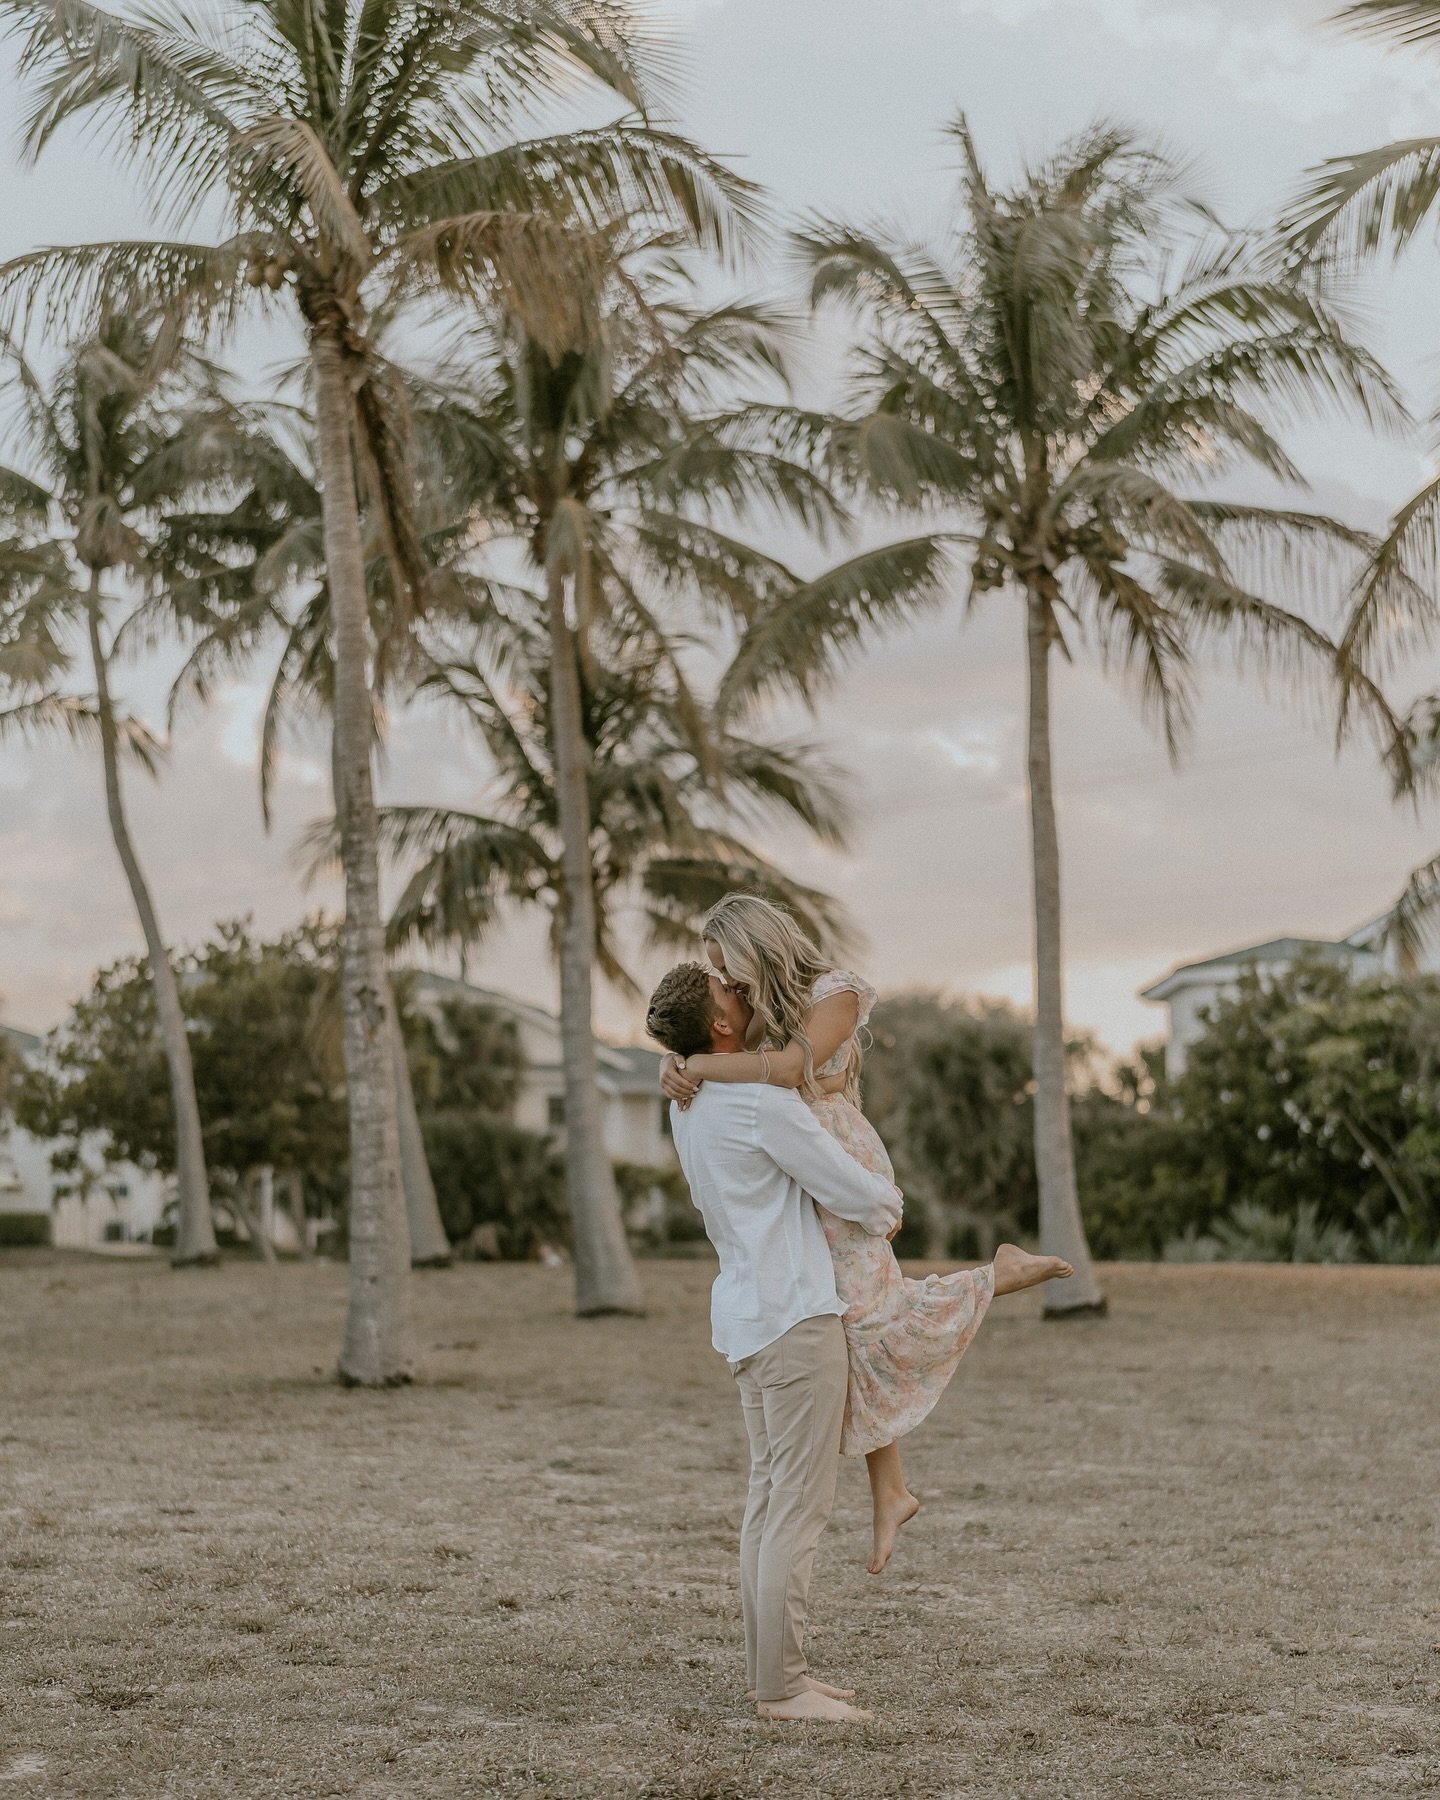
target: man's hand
675 1084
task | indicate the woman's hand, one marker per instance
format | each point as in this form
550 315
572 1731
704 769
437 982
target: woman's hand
675 1084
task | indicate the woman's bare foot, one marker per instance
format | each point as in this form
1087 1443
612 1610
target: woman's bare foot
817 1687
891 1512
1016 1268
807 1704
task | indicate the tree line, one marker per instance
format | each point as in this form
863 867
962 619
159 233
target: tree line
528 461
1304 1126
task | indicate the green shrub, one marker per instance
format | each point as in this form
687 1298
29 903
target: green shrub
1394 1240
1256 1233
488 1172
679 1220
19 1229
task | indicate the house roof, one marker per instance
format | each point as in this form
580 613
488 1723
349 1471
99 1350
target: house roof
629 1068
26 1042
1284 949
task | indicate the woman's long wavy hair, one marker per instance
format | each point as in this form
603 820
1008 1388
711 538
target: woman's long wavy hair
767 953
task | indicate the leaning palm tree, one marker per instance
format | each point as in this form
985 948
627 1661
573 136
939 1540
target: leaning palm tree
253 577
599 474
130 429
1057 389
365 151
1353 209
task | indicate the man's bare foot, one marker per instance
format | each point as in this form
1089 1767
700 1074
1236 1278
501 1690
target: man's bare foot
809 1705
817 1687
1016 1268
890 1514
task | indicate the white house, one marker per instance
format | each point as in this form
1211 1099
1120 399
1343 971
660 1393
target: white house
119 1203
637 1121
1192 988
98 1203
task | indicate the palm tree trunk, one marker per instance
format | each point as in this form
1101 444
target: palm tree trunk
376 1351
429 1246
605 1276
195 1228
1062 1230
292 1186
246 1201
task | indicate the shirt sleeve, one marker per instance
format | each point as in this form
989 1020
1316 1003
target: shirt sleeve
791 1134
843 981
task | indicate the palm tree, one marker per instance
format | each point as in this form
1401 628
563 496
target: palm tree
600 471
1355 208
1053 389
130 428
365 151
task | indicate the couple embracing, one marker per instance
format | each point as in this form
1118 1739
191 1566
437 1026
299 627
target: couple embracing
834 1350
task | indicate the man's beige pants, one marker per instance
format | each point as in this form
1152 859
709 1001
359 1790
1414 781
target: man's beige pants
793 1394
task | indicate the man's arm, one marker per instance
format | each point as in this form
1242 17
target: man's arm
791 1134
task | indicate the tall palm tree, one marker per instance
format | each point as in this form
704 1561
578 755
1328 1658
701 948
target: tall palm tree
600 472
365 150
1057 388
129 430
1353 209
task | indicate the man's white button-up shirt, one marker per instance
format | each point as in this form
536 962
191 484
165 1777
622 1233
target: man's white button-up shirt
755 1157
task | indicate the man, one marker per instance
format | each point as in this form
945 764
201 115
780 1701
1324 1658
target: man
756 1160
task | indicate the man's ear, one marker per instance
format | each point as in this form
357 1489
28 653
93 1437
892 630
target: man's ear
722 1032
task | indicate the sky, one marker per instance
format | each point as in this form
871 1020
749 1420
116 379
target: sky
838 106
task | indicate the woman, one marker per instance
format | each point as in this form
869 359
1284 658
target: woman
904 1337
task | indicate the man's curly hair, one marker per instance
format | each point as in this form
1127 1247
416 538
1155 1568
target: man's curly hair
682 1010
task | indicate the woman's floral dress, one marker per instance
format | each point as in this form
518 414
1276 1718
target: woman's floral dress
904 1337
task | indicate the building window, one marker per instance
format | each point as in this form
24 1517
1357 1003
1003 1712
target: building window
555 1112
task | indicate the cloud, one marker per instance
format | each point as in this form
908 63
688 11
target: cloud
839 104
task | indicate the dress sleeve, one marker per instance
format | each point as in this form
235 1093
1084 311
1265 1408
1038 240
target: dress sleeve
841 981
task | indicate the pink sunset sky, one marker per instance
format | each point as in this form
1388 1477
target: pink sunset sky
837 105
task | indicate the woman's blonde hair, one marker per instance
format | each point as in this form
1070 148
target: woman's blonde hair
768 954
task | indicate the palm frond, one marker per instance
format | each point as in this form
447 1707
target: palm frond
1415 919
544 273
1270 639
471 865
628 169
1138 635
712 474
792 781
1407 21
1357 205
291 146
1395 611
805 637
170 92
77 718
680 890
194 283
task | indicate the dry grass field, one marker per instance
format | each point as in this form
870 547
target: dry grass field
1188 1551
